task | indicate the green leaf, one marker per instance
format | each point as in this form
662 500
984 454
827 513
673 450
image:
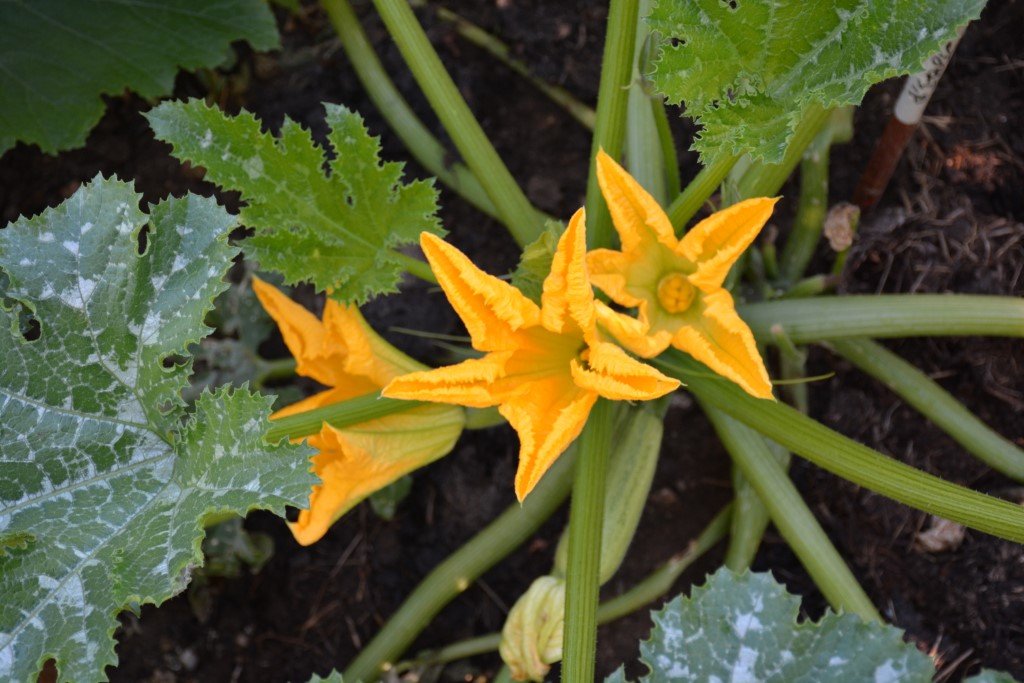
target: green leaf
747 70
535 261
744 627
101 462
229 546
58 56
336 231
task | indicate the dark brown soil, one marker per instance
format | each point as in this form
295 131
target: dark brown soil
951 221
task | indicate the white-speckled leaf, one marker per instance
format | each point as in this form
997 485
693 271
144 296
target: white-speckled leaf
57 57
748 69
743 628
103 473
333 677
337 231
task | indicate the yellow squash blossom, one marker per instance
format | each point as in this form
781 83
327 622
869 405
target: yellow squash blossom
544 365
676 284
345 354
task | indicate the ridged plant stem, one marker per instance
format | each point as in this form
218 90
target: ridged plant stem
583 566
791 515
935 403
474 146
460 570
423 146
612 98
888 315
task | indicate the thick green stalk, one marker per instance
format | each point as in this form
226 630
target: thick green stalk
460 570
585 523
886 316
643 146
340 415
688 203
765 180
500 51
518 214
920 391
811 208
670 158
655 585
847 458
791 515
612 97
417 267
396 111
750 517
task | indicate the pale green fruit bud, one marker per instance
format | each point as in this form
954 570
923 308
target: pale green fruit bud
531 640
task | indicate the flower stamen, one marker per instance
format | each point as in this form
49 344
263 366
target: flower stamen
675 293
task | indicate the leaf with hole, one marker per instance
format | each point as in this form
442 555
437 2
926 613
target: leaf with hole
104 467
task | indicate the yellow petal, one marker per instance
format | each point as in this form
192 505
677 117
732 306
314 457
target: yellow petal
608 269
612 373
355 462
636 335
468 383
716 242
548 414
491 309
303 335
568 300
715 335
366 353
637 216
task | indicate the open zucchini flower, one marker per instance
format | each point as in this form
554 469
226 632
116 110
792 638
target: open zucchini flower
345 354
544 367
676 284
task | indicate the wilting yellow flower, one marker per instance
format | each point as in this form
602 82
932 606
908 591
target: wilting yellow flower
345 354
676 285
544 365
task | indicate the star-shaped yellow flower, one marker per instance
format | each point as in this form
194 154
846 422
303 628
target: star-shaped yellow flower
544 365
676 285
345 354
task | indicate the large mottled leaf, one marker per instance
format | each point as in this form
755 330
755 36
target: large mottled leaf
747 70
58 56
103 474
743 627
336 230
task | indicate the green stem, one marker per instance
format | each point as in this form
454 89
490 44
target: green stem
460 570
340 415
612 98
423 146
887 315
791 515
764 180
416 267
643 147
584 563
670 158
688 203
654 586
500 51
935 403
518 214
271 370
810 210
749 519
847 458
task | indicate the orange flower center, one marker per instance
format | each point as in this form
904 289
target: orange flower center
675 293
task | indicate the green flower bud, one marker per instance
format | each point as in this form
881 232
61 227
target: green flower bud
532 637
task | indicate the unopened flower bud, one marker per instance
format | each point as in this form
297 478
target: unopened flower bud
532 637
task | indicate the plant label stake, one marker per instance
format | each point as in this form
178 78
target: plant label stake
906 116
